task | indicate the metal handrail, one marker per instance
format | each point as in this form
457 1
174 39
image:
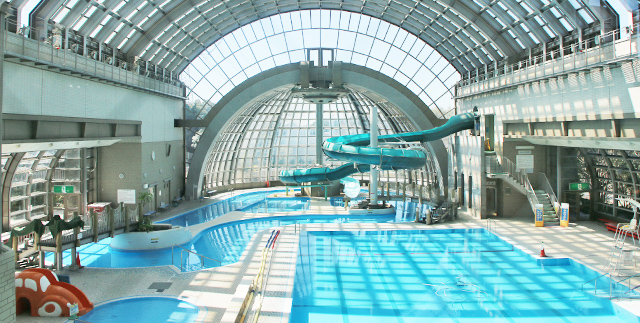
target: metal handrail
489 224
629 284
546 186
596 44
595 289
193 252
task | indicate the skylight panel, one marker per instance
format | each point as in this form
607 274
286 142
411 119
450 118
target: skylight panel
119 6
113 34
566 24
61 15
586 16
79 24
549 31
141 23
526 7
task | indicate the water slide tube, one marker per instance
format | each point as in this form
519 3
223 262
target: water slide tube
354 149
40 290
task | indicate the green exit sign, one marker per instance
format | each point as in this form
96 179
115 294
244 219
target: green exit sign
579 186
63 188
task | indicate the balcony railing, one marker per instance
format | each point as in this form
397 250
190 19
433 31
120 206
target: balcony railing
614 46
106 68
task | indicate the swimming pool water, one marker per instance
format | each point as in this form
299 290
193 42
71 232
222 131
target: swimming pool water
278 204
440 275
212 211
225 243
143 310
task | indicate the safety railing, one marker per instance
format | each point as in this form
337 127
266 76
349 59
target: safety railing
595 288
187 264
615 45
628 279
256 290
491 225
27 43
543 183
492 165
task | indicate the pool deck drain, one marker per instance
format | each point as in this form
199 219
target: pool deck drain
160 287
214 289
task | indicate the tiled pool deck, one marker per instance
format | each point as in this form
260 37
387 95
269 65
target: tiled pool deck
213 289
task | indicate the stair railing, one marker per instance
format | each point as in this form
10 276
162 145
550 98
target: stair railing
493 165
521 177
546 186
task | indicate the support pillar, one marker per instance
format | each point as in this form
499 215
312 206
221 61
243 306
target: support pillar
374 144
319 133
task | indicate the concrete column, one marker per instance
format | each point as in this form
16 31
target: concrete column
374 143
559 173
319 133
4 10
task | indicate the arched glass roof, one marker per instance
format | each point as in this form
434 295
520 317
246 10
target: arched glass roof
278 132
352 38
171 33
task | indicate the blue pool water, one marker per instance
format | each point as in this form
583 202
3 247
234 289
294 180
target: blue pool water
440 276
143 310
278 204
224 242
249 202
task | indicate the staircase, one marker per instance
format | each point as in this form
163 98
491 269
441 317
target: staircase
549 213
542 194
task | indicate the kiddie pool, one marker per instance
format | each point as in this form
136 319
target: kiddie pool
147 309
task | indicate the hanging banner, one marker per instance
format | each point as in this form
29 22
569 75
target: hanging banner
539 217
564 214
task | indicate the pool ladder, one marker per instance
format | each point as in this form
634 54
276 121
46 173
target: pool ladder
491 224
595 288
183 249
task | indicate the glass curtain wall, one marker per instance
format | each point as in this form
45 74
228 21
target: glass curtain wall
278 132
30 178
284 38
616 175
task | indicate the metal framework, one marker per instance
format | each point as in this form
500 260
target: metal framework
170 34
278 132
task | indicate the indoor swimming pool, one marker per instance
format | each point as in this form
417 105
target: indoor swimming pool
456 275
225 243
253 202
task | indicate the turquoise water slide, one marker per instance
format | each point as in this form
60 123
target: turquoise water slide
355 149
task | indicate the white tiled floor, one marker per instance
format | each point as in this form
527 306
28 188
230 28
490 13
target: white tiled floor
213 289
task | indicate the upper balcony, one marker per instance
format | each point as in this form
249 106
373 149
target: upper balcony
615 47
56 52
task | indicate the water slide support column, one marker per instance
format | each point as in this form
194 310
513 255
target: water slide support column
374 143
319 133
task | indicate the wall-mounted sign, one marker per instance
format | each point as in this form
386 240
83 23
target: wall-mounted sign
579 186
127 196
63 189
524 162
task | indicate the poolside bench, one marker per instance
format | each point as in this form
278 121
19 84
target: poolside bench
150 213
164 207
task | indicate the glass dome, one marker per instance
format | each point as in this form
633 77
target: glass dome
278 132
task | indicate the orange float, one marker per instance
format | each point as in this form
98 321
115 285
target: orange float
40 290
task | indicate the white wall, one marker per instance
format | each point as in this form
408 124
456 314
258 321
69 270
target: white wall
596 94
35 91
7 286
